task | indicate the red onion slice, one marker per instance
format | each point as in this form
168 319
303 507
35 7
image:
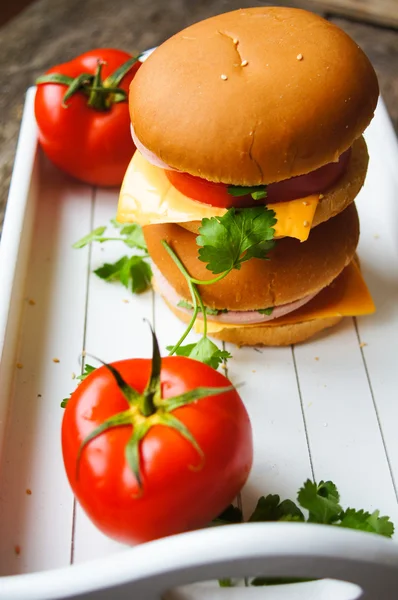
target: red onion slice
150 156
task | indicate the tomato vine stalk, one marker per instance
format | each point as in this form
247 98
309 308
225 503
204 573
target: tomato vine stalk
101 94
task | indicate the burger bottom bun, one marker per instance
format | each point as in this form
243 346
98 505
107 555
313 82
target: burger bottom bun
266 335
339 196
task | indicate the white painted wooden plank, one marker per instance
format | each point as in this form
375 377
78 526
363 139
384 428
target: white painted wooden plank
344 436
115 322
39 524
115 330
378 250
281 460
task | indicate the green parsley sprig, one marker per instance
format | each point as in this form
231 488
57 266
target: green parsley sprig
205 350
134 272
225 244
322 501
239 235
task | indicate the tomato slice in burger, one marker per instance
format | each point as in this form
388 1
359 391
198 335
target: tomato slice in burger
216 194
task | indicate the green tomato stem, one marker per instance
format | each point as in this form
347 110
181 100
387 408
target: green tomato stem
96 99
152 393
116 77
102 94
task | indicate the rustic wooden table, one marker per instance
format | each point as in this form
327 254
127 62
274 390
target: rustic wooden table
52 31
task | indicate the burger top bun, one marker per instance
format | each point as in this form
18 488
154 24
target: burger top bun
253 96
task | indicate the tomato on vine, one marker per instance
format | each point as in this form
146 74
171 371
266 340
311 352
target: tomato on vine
155 447
82 114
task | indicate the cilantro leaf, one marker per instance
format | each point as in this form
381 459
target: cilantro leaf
86 372
228 241
218 357
116 224
259 195
132 272
133 236
140 274
111 271
185 304
381 525
93 236
257 192
364 521
209 311
270 508
232 514
130 234
328 489
266 311
322 501
205 351
182 350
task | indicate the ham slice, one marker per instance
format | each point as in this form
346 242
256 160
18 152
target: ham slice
233 317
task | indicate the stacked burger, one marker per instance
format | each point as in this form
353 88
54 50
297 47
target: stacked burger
250 155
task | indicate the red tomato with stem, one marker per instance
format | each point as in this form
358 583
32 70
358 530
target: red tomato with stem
193 457
87 134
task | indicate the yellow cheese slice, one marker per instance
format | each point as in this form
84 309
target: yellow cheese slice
148 198
347 296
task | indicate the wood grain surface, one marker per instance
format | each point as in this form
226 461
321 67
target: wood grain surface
53 31
384 12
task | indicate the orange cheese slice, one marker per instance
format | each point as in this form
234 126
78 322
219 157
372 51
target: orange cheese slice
347 296
148 198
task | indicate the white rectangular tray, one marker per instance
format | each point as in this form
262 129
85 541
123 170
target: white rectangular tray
326 409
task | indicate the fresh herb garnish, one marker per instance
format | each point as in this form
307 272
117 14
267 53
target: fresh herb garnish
228 241
270 508
134 272
322 501
225 243
205 351
257 192
86 372
266 311
130 234
209 311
